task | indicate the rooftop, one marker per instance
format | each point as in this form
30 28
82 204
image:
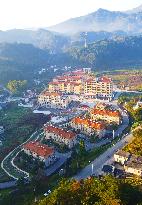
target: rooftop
134 165
123 153
106 112
59 131
105 79
38 148
89 123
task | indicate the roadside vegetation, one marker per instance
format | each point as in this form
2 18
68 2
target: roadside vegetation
104 191
19 123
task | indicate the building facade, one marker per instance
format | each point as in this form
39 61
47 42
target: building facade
121 157
83 82
53 99
60 136
106 114
40 151
88 127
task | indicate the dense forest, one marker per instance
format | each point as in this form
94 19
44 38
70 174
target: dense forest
104 191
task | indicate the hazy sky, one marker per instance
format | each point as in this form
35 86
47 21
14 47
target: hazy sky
43 13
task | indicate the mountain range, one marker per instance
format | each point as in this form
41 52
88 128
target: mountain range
114 41
103 20
101 24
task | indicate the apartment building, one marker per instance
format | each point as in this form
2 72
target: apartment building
60 136
88 126
40 151
83 82
106 114
53 99
105 87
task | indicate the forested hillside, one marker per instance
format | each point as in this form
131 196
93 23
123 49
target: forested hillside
122 52
20 61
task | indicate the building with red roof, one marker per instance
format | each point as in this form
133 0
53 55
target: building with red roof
88 126
60 135
83 82
40 151
106 114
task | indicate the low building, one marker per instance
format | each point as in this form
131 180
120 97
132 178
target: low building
88 126
121 156
60 135
106 114
134 165
40 151
83 82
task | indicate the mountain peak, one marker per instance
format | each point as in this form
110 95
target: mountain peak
100 10
135 10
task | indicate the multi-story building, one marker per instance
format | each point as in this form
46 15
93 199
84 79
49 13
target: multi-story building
105 114
40 151
104 88
83 82
53 99
61 136
90 86
88 126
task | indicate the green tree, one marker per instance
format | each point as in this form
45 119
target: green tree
16 85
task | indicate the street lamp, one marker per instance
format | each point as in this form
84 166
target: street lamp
46 197
92 167
46 194
113 134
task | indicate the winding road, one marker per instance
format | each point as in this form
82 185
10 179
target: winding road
8 162
94 168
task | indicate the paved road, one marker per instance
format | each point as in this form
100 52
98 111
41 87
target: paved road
96 166
62 159
8 162
102 159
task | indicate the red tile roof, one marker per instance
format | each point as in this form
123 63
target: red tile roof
89 123
90 80
106 112
105 80
84 106
63 133
38 148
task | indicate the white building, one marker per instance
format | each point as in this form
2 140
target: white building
121 156
53 99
